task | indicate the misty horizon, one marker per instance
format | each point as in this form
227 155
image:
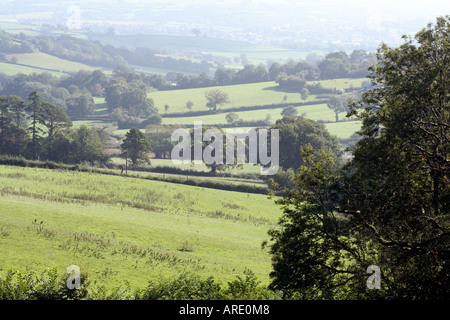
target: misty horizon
346 24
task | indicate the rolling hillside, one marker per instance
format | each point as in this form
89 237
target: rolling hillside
122 229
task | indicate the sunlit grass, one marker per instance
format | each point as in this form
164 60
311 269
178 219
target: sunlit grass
125 229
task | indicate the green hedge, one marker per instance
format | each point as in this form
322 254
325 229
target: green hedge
50 285
21 162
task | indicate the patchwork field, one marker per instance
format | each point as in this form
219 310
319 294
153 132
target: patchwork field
314 112
12 69
241 95
46 61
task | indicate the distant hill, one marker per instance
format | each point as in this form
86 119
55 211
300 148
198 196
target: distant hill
91 53
153 53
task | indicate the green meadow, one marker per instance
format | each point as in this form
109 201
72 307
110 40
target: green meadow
240 95
45 61
129 230
15 28
314 112
13 69
319 112
124 230
247 168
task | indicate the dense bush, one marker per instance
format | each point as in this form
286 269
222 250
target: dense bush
49 285
130 122
183 287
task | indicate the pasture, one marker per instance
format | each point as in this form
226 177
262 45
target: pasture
123 230
319 112
46 61
241 95
13 69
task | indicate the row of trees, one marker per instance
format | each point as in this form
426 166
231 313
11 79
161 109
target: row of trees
41 130
294 131
334 65
354 65
125 93
74 94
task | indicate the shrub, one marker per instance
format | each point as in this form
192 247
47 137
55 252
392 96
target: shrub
48 286
183 287
249 288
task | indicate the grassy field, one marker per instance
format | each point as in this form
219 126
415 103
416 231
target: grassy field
15 28
241 95
315 112
128 230
13 69
267 54
52 63
343 129
246 169
200 44
255 53
342 83
233 175
175 45
121 229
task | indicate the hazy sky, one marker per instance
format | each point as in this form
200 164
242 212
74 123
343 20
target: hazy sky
328 19
411 8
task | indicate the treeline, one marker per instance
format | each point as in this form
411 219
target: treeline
294 131
334 65
125 92
41 130
288 75
94 53
127 102
74 93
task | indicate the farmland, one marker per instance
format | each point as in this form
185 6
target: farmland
48 62
111 188
12 69
160 220
241 95
118 228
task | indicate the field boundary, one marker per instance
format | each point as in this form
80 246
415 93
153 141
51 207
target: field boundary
242 108
185 179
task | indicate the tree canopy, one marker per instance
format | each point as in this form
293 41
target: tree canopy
389 206
215 97
136 146
296 132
